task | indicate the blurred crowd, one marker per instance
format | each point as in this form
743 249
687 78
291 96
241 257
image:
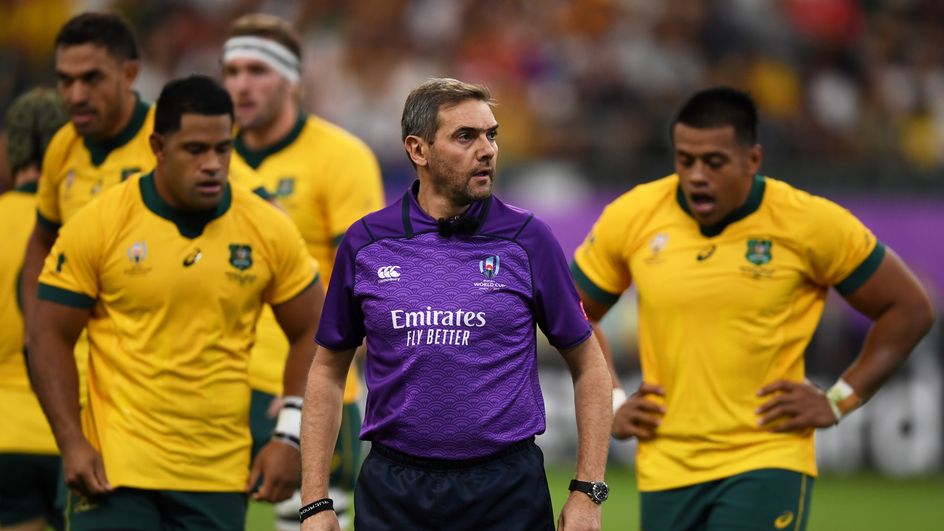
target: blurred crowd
851 91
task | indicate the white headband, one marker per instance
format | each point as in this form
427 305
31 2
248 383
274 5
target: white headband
278 57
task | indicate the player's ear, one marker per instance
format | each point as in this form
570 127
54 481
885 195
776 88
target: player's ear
157 145
129 70
417 149
755 157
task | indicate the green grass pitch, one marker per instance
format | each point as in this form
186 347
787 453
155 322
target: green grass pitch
858 502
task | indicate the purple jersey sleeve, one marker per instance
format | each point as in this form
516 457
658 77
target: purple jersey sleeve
342 322
557 308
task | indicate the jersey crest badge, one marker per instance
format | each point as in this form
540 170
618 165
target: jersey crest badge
240 256
489 267
758 251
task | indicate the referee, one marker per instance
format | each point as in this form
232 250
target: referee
447 285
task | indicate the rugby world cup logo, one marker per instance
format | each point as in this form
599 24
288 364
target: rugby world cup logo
137 252
489 267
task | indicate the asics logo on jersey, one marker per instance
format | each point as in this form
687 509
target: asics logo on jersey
389 274
193 258
705 253
783 520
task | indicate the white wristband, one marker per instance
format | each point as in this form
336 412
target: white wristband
837 394
288 427
619 398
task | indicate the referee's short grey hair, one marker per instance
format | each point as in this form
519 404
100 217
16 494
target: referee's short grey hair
421 110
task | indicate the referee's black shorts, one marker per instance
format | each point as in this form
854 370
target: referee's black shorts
506 491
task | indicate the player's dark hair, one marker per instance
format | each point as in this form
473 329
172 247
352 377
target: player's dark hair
194 95
108 30
421 110
268 27
720 107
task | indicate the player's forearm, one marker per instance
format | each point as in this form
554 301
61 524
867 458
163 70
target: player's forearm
55 379
298 317
890 340
300 355
321 419
37 248
593 404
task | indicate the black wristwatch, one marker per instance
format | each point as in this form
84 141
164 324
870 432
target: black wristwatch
597 490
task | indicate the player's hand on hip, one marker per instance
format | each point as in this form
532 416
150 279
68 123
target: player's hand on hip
579 514
794 406
639 416
83 469
279 465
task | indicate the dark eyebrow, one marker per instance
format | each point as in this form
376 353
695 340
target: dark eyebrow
470 129
94 71
193 144
701 156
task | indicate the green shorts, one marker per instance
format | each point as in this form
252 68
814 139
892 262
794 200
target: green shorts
128 509
766 499
28 487
347 451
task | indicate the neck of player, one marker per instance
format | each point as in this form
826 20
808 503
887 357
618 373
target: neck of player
271 133
129 101
436 203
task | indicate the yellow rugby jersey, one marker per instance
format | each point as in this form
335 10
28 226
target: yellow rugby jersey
723 311
26 429
326 179
76 168
175 297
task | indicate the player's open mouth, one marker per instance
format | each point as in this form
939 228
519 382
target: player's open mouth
701 203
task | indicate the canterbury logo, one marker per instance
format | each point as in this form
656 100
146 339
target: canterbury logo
388 273
783 520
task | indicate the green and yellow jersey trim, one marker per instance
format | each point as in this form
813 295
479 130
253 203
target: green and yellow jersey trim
863 272
65 297
586 285
255 157
754 199
189 224
99 150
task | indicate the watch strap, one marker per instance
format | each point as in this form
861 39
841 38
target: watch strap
581 486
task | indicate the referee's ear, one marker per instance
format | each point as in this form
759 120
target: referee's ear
417 149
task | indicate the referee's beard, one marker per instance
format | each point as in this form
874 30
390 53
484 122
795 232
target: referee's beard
461 188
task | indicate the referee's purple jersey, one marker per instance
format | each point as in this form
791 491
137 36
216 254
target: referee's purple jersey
451 365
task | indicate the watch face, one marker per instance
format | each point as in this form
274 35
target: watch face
600 491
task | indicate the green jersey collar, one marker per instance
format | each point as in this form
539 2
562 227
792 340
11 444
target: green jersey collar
190 224
255 157
753 202
99 150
